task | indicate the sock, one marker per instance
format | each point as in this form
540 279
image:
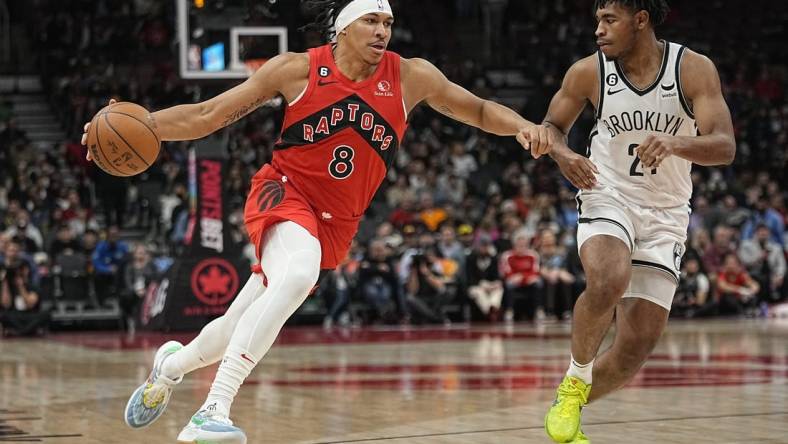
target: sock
184 361
209 346
235 367
582 372
291 260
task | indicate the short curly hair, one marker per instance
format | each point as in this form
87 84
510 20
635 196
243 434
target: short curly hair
657 9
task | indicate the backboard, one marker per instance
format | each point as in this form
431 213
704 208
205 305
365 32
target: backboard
214 43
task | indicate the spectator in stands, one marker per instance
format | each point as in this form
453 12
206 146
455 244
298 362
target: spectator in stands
31 237
763 214
82 221
466 237
415 244
431 215
64 240
727 212
89 242
378 285
462 163
555 276
692 294
391 238
542 213
397 194
449 247
520 270
138 274
19 300
484 283
699 215
108 259
722 244
765 261
426 287
736 290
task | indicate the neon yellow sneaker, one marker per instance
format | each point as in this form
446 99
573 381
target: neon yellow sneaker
562 422
580 438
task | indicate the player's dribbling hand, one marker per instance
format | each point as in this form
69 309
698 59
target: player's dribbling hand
85 134
655 149
536 138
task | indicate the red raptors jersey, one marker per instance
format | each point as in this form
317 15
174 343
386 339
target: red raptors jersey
339 138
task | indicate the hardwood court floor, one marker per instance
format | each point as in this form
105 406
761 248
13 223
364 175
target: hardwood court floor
708 382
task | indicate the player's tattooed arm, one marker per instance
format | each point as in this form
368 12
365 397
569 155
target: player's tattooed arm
448 112
241 112
189 122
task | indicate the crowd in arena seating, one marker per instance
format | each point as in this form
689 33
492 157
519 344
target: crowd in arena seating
467 227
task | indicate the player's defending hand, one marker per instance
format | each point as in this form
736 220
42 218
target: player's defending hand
655 149
579 170
85 134
536 138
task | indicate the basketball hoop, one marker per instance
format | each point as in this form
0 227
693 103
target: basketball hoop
252 65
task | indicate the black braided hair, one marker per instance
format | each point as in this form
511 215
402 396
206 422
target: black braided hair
657 9
327 11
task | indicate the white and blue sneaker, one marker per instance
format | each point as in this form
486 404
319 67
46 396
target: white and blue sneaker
150 399
209 427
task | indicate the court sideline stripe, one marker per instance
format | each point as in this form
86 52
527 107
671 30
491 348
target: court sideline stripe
33 438
539 427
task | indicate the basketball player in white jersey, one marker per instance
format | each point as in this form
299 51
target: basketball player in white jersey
292 256
659 109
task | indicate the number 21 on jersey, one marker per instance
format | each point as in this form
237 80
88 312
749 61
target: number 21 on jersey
633 170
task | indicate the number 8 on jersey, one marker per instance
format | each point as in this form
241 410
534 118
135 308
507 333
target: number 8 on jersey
341 167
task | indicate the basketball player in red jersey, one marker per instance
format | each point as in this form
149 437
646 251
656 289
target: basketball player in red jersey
348 103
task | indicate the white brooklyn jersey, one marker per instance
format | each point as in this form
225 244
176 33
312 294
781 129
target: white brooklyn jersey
627 115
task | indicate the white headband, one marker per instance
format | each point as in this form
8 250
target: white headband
359 8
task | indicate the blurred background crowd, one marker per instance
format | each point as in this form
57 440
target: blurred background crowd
467 226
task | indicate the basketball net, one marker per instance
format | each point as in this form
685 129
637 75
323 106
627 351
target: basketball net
252 65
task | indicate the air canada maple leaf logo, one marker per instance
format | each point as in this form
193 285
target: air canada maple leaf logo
214 281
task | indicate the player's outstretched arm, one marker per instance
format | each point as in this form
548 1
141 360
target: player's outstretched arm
426 83
189 122
577 89
716 144
194 121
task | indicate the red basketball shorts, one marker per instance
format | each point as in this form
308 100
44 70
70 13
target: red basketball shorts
273 199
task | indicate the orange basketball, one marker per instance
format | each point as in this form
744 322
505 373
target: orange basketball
122 139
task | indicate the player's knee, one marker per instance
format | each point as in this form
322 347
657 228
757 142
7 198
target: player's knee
606 290
302 273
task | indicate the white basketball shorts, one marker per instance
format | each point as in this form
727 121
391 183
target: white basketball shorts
654 236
